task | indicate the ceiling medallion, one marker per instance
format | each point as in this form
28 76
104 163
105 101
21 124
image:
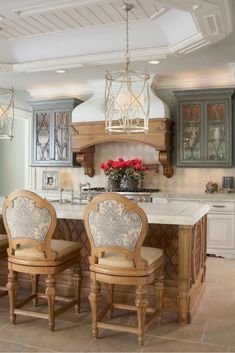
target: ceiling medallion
127 100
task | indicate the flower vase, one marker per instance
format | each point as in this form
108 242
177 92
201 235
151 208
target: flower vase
113 184
132 183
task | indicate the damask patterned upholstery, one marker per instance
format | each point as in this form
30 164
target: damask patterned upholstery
113 225
25 220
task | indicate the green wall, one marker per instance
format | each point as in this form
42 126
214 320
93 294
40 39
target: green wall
13 160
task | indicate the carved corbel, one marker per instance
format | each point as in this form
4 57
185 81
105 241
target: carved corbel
85 158
165 160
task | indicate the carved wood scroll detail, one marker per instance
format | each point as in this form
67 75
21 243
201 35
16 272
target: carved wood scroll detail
165 160
85 158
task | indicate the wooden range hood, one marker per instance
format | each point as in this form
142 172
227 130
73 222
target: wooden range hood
88 134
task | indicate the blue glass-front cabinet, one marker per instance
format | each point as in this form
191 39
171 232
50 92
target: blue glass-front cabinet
204 128
51 132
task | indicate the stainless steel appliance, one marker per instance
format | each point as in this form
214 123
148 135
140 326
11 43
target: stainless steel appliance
140 195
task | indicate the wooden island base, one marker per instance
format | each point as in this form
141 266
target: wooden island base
185 263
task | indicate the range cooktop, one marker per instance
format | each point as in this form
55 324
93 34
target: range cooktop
102 189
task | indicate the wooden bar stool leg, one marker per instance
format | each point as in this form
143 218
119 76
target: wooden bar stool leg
159 290
50 292
77 279
12 289
94 300
141 303
35 281
110 299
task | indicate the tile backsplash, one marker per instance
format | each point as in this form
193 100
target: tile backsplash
183 180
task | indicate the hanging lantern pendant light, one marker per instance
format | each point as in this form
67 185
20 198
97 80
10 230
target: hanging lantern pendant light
6 113
127 99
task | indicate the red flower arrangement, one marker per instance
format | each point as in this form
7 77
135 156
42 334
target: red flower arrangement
132 169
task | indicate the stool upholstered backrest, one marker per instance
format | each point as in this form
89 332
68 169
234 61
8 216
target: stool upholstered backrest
115 224
29 219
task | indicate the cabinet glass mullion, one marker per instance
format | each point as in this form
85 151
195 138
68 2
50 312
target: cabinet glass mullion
217 132
191 132
61 136
42 137
52 142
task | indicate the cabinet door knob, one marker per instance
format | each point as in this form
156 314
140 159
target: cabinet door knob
219 206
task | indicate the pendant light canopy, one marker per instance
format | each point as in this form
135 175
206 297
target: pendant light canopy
127 99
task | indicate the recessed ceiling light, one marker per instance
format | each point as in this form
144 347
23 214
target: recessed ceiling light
60 71
1 17
154 62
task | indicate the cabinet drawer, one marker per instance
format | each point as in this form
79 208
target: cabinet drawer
220 206
180 201
159 200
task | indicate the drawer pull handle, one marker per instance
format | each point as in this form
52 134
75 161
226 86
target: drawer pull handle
219 206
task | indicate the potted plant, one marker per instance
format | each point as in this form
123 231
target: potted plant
114 171
132 170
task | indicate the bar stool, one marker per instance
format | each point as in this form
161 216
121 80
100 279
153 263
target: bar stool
30 222
116 228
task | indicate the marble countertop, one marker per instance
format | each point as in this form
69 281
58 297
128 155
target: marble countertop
183 214
223 196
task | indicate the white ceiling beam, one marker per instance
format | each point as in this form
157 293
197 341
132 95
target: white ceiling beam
97 59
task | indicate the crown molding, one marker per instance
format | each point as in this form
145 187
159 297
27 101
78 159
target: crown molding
65 92
22 114
186 44
199 82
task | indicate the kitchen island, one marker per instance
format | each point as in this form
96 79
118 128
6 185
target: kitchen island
180 230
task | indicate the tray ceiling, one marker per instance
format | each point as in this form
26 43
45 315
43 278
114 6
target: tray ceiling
29 18
41 36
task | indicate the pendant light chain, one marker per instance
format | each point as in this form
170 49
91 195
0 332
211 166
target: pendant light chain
126 94
127 39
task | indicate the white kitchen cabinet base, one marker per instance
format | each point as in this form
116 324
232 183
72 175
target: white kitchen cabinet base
220 231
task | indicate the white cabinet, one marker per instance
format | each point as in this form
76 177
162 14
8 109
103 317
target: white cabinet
220 229
220 233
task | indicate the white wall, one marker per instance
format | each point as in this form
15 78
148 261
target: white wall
14 156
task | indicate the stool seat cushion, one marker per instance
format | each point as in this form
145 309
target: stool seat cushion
150 255
3 241
61 247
